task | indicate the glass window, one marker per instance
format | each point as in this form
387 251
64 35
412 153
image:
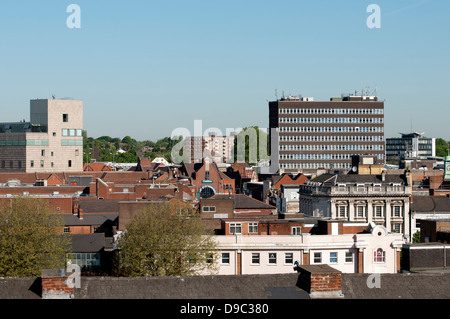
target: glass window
348 257
65 132
333 257
65 117
296 230
79 132
225 258
235 228
317 258
255 258
289 258
272 258
253 228
72 132
379 256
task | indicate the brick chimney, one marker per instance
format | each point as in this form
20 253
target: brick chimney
75 208
55 284
80 213
320 281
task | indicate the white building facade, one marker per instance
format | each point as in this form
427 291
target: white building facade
377 251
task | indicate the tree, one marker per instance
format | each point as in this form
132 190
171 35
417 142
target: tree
253 143
441 147
165 240
31 238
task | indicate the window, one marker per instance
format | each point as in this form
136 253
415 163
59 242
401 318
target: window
77 152
253 228
65 117
32 164
208 209
4 164
235 228
66 230
379 256
255 258
348 257
209 258
397 211
42 152
342 211
69 163
378 211
397 228
225 258
289 258
19 163
360 211
51 164
51 153
72 132
272 258
54 133
65 132
317 258
42 163
333 257
296 230
207 175
11 164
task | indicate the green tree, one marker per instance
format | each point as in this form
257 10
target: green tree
253 143
441 147
416 237
165 240
31 238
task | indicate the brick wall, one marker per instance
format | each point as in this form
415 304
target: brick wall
320 281
55 285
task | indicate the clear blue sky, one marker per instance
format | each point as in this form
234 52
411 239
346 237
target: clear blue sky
144 68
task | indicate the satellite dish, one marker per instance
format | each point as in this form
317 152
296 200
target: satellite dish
354 169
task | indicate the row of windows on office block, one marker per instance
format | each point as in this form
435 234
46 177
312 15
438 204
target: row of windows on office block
330 111
368 120
321 156
332 129
331 147
315 165
330 138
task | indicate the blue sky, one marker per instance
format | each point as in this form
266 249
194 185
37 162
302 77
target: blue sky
145 68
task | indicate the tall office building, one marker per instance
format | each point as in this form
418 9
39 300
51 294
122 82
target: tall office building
309 135
52 141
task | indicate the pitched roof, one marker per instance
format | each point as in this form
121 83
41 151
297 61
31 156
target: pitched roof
242 201
430 204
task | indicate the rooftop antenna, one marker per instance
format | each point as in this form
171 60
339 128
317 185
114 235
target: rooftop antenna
53 96
276 94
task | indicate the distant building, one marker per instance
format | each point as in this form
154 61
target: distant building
219 148
310 135
411 145
52 141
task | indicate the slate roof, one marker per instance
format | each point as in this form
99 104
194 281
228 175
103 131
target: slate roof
89 243
242 201
99 206
430 204
89 219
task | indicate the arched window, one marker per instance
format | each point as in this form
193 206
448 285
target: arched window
379 256
207 192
